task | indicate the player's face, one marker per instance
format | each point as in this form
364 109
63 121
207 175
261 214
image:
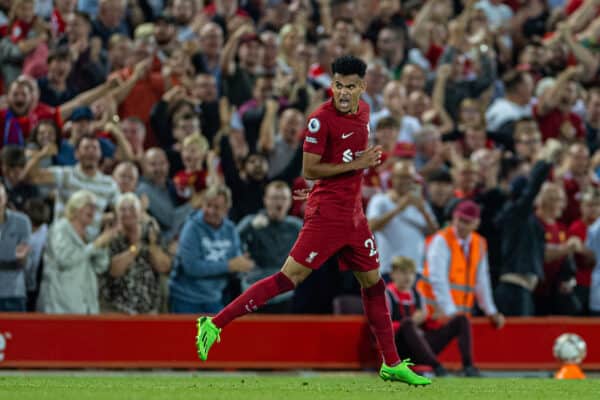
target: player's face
347 90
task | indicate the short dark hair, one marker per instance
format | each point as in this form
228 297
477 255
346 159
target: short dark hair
13 156
37 210
83 137
349 65
60 54
513 78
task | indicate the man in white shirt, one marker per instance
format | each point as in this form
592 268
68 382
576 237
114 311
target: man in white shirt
394 99
515 106
401 219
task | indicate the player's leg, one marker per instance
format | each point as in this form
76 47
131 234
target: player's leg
378 315
209 329
291 275
313 246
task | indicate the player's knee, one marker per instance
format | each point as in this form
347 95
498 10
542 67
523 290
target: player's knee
295 272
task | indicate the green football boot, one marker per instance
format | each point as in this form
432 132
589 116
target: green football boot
402 373
207 334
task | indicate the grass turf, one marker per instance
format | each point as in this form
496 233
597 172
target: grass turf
285 388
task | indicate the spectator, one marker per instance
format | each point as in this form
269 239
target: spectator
72 262
440 194
592 120
126 175
394 98
39 213
132 283
590 212
209 250
109 20
553 112
159 189
15 261
207 60
523 238
54 88
418 336
401 219
198 173
447 289
45 133
268 237
134 131
576 178
514 106
90 65
555 295
68 180
282 146
528 139
239 77
376 78
13 164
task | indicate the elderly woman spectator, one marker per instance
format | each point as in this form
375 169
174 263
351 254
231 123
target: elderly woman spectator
132 283
71 263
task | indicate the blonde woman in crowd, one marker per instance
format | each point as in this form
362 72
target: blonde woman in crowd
132 283
71 263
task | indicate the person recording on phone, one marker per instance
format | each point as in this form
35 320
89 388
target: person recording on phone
401 219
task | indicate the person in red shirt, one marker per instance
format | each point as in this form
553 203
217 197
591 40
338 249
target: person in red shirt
62 8
25 111
553 111
576 179
194 178
585 262
336 153
418 335
554 295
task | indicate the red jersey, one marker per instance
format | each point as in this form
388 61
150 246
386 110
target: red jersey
555 233
552 123
188 183
16 129
337 138
584 267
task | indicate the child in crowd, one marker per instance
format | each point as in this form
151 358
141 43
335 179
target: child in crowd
418 335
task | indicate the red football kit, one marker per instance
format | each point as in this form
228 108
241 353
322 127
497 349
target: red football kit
334 221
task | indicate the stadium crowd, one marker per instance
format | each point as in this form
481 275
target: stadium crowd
150 149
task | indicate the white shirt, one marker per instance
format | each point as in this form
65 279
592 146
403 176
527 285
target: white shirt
69 179
409 125
438 260
502 111
593 242
404 235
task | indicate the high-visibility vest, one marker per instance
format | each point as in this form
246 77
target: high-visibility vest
462 274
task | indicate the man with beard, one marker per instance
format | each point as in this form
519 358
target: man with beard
204 91
54 89
247 185
85 175
164 36
24 109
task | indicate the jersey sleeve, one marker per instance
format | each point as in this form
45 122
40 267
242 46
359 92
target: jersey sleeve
315 134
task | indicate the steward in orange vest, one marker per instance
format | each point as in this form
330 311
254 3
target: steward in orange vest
456 268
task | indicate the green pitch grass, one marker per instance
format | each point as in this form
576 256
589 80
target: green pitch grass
328 387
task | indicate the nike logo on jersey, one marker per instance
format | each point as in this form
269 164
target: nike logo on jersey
347 135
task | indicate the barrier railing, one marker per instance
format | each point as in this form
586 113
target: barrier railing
261 342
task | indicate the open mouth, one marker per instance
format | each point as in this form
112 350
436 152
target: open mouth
344 103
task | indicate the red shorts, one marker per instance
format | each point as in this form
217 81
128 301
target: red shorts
321 238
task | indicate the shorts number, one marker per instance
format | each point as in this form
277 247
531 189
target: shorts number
370 244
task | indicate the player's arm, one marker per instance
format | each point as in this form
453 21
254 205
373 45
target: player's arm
313 168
